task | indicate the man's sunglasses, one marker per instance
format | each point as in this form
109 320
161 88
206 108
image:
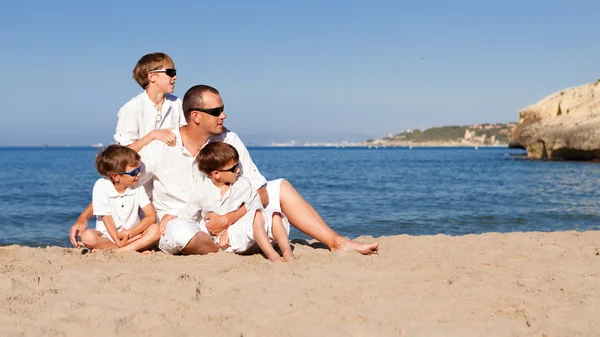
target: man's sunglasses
134 172
216 112
231 169
169 71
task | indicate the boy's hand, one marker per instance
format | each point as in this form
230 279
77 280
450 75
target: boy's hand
216 223
165 136
224 240
122 242
78 227
122 233
163 223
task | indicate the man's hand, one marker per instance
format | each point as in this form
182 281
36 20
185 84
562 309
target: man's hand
78 227
163 223
165 136
215 223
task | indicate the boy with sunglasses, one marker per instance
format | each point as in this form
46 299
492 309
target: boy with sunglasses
116 201
224 191
151 114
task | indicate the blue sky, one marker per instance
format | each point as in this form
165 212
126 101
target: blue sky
320 70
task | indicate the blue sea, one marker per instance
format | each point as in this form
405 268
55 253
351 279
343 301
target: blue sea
358 191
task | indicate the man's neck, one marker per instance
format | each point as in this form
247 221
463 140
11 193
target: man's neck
155 96
193 139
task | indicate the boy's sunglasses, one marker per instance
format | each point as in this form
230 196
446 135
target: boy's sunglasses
169 71
216 112
231 169
134 172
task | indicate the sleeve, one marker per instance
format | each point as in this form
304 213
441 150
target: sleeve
128 124
249 170
246 193
179 107
142 196
193 207
100 203
148 164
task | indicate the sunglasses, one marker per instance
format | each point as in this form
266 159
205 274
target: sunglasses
134 172
216 112
169 71
231 169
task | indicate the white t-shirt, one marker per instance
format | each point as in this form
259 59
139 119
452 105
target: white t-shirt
206 197
123 207
140 115
174 174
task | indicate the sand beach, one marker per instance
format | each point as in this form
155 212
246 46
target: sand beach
516 284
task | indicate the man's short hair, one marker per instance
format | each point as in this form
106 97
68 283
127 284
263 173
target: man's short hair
149 62
214 156
194 98
115 159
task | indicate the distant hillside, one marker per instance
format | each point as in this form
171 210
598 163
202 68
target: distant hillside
467 135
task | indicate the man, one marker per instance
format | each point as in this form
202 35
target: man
173 173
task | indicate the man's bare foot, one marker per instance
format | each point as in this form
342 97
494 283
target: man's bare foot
224 239
346 244
288 256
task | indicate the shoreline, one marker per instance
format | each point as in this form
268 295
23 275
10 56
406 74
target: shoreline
518 284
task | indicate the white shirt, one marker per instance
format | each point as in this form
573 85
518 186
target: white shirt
123 207
140 115
206 198
174 174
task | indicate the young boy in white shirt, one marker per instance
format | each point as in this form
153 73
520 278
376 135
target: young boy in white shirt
224 191
116 201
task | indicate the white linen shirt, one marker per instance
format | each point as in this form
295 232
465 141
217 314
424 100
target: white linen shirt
174 174
140 115
206 198
123 207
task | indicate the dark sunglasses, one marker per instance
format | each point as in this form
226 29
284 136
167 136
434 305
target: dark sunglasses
169 71
231 169
134 172
216 112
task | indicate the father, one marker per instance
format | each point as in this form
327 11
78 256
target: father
173 174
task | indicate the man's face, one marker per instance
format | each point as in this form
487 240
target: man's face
212 124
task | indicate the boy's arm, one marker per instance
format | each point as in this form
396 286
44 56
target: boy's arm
111 228
165 136
149 219
80 225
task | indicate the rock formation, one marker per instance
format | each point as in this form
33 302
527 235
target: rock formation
564 125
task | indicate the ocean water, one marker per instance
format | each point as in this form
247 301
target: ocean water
358 191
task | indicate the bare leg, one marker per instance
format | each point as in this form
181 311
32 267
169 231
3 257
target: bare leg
262 239
200 244
305 218
281 237
93 239
148 238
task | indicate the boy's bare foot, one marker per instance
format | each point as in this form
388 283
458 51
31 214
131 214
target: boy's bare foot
224 239
274 257
288 256
147 252
346 244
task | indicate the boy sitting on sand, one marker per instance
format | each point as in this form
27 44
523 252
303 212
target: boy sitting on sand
116 201
225 191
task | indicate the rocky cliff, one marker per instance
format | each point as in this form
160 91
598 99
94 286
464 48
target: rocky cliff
564 125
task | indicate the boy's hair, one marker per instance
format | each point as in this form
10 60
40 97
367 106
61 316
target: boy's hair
214 156
194 98
149 62
115 159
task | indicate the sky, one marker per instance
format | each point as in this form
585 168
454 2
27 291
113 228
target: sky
292 70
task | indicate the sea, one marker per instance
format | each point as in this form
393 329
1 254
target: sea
358 191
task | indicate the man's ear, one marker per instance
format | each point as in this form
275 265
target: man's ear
195 116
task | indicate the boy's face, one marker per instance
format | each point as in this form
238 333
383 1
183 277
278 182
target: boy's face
130 177
163 82
229 173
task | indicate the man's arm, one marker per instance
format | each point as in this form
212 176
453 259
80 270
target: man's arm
216 224
80 225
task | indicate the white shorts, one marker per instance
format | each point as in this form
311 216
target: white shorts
241 233
178 234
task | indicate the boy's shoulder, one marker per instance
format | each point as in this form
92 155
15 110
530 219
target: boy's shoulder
135 102
172 98
103 186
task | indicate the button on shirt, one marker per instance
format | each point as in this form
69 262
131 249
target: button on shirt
174 174
206 197
140 115
123 207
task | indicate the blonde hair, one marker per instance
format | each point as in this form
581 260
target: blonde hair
149 62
